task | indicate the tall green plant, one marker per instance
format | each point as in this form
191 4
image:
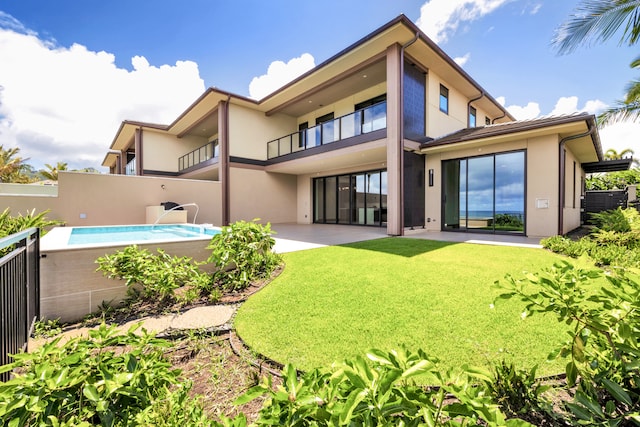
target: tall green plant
380 391
603 348
243 252
13 224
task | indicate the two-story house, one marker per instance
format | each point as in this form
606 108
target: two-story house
390 132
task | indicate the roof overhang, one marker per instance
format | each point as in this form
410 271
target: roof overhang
615 165
578 130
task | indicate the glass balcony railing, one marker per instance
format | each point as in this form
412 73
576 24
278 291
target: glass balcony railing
200 155
357 123
130 169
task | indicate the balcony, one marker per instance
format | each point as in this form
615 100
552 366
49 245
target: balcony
200 155
130 169
359 122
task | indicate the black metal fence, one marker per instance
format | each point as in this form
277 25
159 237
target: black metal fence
602 200
19 292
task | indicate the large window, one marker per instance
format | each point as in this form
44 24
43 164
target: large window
358 198
485 193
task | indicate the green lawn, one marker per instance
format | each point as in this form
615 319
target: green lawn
336 302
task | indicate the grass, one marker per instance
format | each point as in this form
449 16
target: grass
337 302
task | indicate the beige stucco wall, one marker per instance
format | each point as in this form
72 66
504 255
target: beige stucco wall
571 212
541 180
161 151
250 130
100 199
71 288
439 123
258 194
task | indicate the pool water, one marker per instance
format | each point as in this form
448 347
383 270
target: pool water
138 233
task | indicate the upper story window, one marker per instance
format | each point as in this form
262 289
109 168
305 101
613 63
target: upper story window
487 121
444 99
472 117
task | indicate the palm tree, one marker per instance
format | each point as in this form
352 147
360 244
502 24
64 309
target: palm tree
52 172
12 167
598 21
612 154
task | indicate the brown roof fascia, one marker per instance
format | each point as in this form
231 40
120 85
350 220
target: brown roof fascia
401 19
514 127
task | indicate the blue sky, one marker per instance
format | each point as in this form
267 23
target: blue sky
71 71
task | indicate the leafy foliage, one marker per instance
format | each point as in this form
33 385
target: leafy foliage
603 349
158 275
105 380
13 168
614 242
613 180
380 391
243 252
13 224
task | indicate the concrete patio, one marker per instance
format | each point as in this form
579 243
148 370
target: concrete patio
295 237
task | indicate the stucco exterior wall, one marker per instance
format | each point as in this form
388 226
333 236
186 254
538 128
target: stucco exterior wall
439 123
161 151
258 194
250 130
571 209
97 199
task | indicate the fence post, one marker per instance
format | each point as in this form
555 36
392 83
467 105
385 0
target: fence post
19 292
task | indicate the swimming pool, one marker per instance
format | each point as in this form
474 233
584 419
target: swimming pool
138 233
70 286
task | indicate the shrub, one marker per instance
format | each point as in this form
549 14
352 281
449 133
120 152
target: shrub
381 391
13 224
603 348
158 275
612 220
243 252
105 380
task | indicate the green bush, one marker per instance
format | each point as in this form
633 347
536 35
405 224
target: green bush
158 275
243 252
380 391
517 391
603 348
13 224
105 380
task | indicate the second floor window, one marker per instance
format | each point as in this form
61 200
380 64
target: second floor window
487 121
444 99
472 117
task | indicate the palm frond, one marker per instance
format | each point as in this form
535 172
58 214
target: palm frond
621 112
597 21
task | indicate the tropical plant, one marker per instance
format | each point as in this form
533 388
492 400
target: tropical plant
380 390
613 180
159 275
598 21
13 224
52 171
87 382
13 167
243 252
603 349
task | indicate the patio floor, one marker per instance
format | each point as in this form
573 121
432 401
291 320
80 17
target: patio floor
295 237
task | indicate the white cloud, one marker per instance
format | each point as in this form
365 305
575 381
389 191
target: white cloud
66 103
439 19
279 74
564 105
529 111
461 60
621 136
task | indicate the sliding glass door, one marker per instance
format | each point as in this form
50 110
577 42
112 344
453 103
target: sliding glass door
357 198
485 193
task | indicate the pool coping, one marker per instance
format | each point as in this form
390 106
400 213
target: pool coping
57 239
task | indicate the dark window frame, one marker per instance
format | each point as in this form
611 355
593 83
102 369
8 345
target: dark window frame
473 113
444 99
